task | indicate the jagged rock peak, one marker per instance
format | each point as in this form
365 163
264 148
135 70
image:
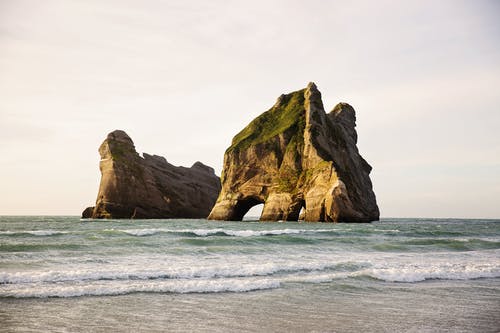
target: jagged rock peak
119 135
149 187
296 156
202 167
312 85
116 145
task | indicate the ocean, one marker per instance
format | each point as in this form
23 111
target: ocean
64 274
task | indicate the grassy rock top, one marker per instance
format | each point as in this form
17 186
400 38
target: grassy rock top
286 113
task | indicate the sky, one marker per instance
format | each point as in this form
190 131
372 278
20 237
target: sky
183 77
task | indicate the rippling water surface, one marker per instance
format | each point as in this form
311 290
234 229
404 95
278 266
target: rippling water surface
444 274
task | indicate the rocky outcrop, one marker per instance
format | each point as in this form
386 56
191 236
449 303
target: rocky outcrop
149 187
295 156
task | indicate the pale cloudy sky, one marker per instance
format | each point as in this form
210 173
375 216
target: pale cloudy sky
183 77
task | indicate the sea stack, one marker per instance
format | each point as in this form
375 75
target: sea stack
296 156
149 187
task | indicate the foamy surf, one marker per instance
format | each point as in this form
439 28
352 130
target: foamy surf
239 273
33 233
398 273
446 272
66 258
186 270
221 232
101 287
110 288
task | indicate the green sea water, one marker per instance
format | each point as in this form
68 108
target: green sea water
66 274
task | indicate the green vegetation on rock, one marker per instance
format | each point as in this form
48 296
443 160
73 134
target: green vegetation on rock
127 157
286 113
286 119
120 151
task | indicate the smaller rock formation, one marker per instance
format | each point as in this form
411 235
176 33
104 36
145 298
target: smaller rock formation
149 187
295 156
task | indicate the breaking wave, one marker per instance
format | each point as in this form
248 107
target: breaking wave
222 232
33 233
102 288
234 277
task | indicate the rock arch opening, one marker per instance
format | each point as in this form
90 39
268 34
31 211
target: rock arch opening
243 206
254 213
302 211
294 213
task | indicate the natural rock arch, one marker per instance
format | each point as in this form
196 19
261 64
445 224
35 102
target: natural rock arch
293 156
242 207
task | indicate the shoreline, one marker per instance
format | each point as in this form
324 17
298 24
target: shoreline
341 306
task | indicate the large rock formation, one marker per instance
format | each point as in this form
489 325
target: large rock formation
149 187
296 156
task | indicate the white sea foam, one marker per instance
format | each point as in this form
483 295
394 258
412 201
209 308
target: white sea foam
220 231
34 232
126 287
414 273
319 277
215 283
405 273
415 267
387 230
408 267
143 232
186 270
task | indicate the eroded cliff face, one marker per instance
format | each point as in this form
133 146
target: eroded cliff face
149 187
297 156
